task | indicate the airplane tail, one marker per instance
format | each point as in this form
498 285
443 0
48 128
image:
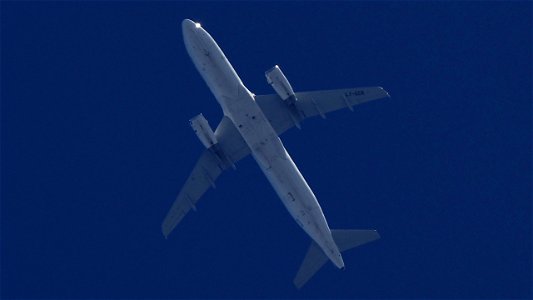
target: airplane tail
315 258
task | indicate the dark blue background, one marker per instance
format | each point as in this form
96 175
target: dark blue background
96 99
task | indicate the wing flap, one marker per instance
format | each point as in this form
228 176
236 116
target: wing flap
276 111
203 176
314 103
321 102
230 149
230 141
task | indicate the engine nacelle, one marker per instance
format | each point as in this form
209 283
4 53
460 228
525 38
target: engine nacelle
204 132
280 84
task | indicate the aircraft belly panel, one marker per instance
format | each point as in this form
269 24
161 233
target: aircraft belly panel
277 165
239 105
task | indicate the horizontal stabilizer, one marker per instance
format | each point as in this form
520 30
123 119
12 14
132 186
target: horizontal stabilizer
313 261
351 238
315 257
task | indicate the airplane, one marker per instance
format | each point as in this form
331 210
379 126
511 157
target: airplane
251 125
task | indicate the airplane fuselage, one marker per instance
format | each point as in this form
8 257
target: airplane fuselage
239 105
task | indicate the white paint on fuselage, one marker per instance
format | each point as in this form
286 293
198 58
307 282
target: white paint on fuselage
239 105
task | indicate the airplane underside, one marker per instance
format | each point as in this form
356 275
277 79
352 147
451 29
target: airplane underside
251 125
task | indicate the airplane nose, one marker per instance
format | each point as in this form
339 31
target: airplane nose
187 30
193 36
187 24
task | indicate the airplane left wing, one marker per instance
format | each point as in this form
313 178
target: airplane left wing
229 149
204 174
283 115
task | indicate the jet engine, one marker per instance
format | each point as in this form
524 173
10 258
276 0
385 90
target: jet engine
204 132
280 84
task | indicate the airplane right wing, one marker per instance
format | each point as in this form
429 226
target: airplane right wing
321 102
283 116
229 149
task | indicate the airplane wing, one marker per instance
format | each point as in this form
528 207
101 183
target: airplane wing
213 161
231 147
309 104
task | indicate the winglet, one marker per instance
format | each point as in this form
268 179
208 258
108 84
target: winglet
387 93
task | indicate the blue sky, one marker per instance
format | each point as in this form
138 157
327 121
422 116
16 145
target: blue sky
96 99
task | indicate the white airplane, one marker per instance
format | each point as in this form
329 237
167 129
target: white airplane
252 124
